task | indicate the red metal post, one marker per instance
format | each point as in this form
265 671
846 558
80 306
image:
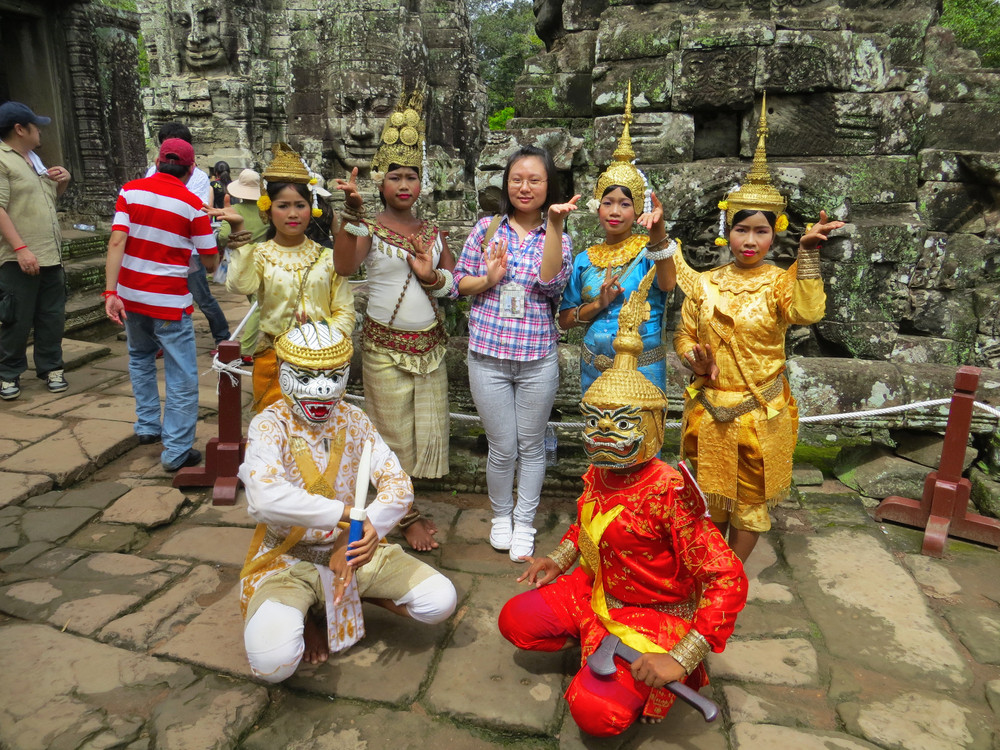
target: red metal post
223 454
943 508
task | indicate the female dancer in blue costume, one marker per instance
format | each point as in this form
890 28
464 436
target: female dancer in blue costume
605 275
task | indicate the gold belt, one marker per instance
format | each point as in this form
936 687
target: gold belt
305 552
747 405
685 609
602 362
407 342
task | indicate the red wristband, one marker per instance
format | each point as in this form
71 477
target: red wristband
107 294
19 249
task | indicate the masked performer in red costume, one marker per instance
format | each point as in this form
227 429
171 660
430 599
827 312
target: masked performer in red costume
654 570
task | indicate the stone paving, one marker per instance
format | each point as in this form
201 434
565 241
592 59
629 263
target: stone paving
119 624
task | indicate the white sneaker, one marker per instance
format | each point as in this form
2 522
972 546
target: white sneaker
500 533
522 542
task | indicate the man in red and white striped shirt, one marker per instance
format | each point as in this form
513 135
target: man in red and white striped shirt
158 224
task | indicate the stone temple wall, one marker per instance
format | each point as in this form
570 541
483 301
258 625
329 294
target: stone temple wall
323 75
875 115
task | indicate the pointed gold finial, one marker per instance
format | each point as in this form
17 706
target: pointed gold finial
622 383
621 171
757 192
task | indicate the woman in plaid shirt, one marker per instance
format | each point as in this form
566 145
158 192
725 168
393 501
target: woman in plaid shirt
513 282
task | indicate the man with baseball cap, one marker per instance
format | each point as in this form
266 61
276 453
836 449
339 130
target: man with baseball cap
30 252
158 224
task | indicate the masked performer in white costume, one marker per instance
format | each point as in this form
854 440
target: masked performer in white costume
300 472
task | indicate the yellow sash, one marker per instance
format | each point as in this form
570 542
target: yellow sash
315 483
592 528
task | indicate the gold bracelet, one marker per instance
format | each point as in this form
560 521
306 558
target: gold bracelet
690 650
564 555
808 264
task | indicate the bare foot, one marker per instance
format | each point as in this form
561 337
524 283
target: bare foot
650 720
420 535
317 648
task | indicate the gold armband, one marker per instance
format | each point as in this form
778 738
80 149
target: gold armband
690 650
564 555
808 267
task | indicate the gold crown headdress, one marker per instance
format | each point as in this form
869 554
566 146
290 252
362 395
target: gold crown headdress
622 171
757 193
622 384
314 345
286 166
402 140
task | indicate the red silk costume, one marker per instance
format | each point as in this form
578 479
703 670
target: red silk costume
660 561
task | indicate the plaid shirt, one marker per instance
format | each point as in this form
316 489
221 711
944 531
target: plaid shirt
534 335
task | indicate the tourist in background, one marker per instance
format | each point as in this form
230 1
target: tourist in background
30 252
513 269
740 418
199 184
246 190
158 224
403 340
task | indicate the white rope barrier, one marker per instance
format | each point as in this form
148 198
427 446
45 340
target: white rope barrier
231 371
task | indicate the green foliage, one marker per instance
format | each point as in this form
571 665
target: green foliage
976 24
498 120
503 32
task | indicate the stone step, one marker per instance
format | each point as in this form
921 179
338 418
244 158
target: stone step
80 244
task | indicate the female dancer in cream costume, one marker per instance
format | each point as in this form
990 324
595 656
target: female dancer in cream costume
408 266
293 277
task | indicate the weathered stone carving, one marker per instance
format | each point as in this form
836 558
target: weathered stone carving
203 35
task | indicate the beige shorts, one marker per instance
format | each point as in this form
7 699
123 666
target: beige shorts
743 516
390 574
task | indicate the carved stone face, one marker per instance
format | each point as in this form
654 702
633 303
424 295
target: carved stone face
360 102
203 35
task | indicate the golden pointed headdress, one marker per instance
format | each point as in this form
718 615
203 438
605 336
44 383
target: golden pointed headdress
286 166
622 384
314 345
757 193
403 136
622 171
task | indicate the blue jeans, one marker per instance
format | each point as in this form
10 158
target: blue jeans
198 286
146 335
514 400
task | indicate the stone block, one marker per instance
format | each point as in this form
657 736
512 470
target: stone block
845 124
886 233
774 661
932 350
863 340
214 711
751 736
574 53
16 487
628 32
578 15
967 126
555 95
657 137
146 506
964 85
842 578
222 545
925 449
864 293
940 723
715 78
949 206
710 32
946 314
652 84
985 493
874 472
